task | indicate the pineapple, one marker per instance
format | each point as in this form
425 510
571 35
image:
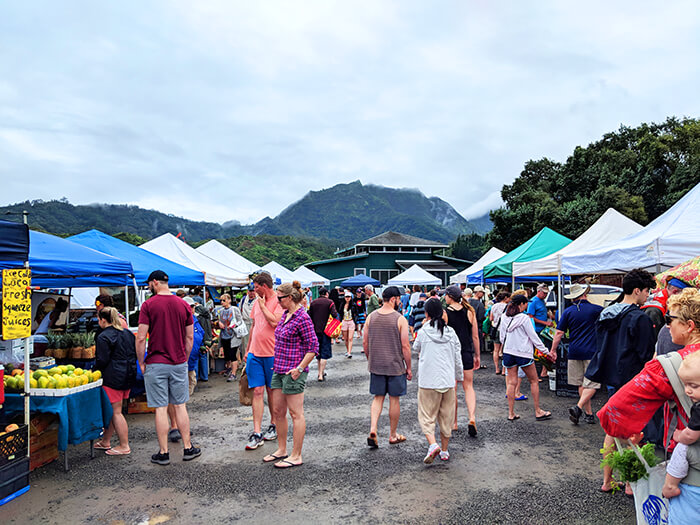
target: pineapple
52 340
76 351
89 345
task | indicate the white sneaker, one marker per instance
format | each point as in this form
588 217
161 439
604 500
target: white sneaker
433 451
444 455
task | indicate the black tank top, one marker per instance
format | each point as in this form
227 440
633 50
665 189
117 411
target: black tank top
458 320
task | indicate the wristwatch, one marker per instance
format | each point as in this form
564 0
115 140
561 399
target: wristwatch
300 370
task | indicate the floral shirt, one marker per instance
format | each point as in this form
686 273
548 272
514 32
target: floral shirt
293 340
633 405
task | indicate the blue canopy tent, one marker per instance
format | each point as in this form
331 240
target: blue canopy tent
14 241
142 261
58 263
359 280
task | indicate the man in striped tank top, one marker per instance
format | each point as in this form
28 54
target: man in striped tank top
388 350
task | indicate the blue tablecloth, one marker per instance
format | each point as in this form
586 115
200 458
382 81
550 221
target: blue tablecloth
81 415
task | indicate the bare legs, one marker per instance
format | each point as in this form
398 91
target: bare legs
259 407
294 403
512 384
496 351
347 337
585 396
118 424
394 413
469 396
321 367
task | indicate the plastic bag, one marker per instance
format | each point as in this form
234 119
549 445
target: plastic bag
651 506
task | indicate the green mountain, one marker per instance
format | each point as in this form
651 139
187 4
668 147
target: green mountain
343 214
353 212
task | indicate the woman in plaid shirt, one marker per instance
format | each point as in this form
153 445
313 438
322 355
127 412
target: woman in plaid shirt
296 345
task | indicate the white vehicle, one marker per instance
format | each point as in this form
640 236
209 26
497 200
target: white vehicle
599 294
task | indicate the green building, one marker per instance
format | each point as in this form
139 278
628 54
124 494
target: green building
387 255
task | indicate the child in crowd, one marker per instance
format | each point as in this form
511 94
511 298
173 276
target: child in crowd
439 367
677 469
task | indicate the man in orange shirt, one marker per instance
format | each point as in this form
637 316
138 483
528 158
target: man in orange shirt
259 357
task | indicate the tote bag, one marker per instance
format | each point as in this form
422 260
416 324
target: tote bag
332 329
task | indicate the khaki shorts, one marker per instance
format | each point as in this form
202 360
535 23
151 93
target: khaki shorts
575 374
288 385
434 406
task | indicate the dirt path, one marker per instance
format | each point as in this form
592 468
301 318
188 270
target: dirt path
521 473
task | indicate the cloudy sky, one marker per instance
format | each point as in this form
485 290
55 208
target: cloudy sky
220 110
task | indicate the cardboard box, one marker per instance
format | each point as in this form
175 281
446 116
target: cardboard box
47 438
139 407
41 422
43 457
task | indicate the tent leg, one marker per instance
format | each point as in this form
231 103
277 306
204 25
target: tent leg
126 303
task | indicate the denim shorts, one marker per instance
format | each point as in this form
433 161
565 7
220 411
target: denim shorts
166 384
259 370
380 385
324 347
509 361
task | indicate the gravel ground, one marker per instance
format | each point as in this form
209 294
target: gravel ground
522 472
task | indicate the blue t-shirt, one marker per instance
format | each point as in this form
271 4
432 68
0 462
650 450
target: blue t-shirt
579 319
538 310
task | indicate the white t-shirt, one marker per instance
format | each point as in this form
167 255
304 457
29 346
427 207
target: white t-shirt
415 297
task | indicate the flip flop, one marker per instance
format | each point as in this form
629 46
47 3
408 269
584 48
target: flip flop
112 452
399 439
274 458
372 440
521 398
99 446
546 416
511 419
287 464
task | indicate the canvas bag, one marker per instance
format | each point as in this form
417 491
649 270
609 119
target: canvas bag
245 393
332 329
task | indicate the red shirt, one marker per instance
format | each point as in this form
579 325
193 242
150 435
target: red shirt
167 317
630 409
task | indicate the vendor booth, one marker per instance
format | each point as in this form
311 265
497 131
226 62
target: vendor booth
476 269
217 251
668 240
359 280
280 274
215 273
304 275
415 275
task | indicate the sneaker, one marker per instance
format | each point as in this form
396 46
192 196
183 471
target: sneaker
161 458
349 356
575 414
433 451
254 441
270 434
231 377
444 455
191 453
174 435
589 418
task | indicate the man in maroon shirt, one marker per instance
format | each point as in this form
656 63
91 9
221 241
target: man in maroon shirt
166 321
319 311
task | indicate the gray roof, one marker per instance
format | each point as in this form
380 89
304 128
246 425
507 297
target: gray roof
399 239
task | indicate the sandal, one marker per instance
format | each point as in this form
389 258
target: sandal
544 417
372 441
399 439
511 419
287 464
273 458
98 445
112 452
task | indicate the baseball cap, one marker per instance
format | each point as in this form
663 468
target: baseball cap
189 300
454 292
347 293
391 291
158 275
251 287
478 288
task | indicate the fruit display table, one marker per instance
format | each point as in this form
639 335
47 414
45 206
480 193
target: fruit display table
82 415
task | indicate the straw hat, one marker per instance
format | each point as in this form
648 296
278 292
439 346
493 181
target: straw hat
577 290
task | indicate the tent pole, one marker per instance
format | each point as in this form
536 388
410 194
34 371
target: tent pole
560 288
126 303
136 292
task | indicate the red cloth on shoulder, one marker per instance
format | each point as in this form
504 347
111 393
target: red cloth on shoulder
633 405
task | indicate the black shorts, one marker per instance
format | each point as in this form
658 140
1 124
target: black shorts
230 354
467 360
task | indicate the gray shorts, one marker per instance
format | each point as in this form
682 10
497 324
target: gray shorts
166 384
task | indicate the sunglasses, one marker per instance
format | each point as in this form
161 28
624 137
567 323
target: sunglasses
669 318
280 297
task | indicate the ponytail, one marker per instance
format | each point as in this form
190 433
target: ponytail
111 315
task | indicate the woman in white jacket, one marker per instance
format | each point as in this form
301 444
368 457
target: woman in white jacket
518 337
439 366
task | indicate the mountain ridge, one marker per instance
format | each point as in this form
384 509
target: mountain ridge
344 213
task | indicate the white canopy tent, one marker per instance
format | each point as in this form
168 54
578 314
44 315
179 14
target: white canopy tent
414 275
610 227
225 255
668 240
311 278
490 256
280 272
215 273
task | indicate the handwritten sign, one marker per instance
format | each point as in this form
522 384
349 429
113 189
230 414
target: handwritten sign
16 304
